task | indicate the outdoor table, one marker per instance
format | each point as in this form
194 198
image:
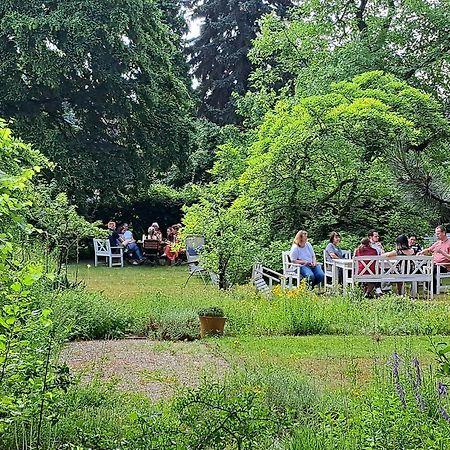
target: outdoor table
347 266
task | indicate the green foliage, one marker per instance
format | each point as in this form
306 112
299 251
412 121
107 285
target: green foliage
95 416
323 162
217 416
318 46
30 380
441 352
57 223
212 311
87 315
332 41
100 88
404 407
222 227
206 137
229 29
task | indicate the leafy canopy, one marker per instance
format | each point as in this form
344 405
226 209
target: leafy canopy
320 163
98 88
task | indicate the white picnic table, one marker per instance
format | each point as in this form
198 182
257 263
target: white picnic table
413 269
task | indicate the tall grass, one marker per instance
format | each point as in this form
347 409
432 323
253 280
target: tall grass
153 301
304 314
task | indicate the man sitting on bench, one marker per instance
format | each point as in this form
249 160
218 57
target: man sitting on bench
129 242
441 253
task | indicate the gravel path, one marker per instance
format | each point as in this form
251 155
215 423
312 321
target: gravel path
154 368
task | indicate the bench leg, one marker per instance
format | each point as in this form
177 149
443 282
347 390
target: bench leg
438 281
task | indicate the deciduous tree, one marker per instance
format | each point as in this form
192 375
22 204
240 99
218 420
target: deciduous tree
95 86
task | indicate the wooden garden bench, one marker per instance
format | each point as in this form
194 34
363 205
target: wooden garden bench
264 279
103 249
402 269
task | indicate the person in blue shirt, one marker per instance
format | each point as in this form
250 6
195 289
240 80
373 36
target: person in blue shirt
302 253
129 242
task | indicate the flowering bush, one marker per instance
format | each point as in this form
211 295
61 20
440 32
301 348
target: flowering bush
278 291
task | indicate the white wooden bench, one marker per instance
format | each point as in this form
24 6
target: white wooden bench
264 278
113 255
402 269
291 271
440 277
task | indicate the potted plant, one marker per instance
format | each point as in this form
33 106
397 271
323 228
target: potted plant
212 321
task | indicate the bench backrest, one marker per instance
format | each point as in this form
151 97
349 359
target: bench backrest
400 268
287 263
194 245
151 244
102 247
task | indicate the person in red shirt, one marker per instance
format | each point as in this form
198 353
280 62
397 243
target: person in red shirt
440 251
365 249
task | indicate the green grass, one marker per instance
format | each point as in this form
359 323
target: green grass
287 348
332 361
156 301
127 284
324 361
336 339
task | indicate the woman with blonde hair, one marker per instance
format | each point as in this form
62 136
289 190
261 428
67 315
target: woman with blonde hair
302 253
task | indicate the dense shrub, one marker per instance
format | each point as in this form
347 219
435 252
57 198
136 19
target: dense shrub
87 315
174 325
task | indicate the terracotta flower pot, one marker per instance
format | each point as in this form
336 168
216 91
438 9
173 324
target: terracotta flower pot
211 326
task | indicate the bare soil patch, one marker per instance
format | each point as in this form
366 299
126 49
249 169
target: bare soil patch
154 368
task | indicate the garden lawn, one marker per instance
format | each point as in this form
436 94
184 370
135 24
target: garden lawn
130 282
331 361
334 340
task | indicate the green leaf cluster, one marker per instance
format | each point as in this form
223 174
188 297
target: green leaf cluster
323 162
99 88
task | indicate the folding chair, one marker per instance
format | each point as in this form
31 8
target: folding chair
194 245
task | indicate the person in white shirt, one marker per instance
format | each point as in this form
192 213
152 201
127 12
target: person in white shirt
374 238
303 253
375 243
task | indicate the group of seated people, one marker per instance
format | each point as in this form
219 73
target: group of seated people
123 237
302 253
168 246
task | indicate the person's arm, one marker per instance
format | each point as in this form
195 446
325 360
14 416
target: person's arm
303 262
389 254
428 251
329 251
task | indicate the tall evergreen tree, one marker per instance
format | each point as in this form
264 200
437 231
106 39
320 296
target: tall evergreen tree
218 56
96 87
